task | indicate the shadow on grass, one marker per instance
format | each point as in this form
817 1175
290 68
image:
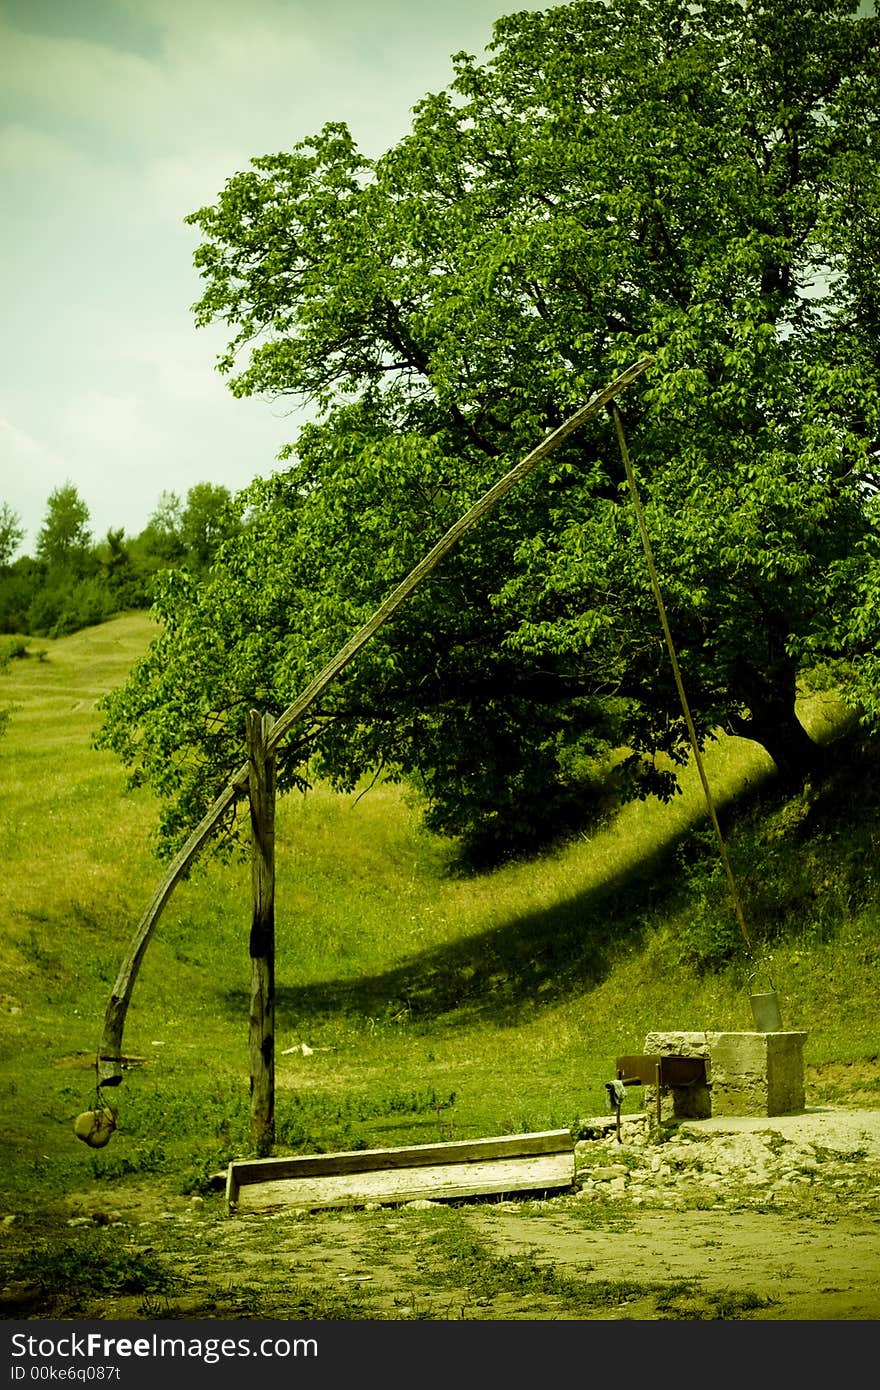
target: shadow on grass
541 956
804 863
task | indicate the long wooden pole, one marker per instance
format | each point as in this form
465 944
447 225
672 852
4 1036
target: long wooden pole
261 1038
109 1062
445 544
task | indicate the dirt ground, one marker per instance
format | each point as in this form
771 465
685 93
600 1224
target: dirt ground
739 1218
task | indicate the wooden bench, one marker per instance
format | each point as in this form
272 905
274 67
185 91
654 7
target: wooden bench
666 1073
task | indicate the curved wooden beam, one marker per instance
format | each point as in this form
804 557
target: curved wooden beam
445 544
109 1061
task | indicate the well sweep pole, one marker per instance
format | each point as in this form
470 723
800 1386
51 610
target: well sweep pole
109 1060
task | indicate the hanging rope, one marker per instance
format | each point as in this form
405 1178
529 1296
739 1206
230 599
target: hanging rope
692 733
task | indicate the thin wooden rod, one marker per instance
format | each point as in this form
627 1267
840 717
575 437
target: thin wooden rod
692 733
109 1064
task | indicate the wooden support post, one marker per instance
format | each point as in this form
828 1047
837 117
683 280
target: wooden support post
261 1040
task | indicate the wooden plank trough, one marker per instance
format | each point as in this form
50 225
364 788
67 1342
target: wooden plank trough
541 1162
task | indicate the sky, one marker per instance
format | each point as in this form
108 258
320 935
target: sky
117 119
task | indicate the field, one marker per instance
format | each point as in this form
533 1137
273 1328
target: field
416 1003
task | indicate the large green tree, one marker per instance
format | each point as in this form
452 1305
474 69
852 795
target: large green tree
695 181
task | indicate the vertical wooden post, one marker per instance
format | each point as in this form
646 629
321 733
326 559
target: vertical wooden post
261 1039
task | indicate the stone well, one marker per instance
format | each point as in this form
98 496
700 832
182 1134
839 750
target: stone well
747 1074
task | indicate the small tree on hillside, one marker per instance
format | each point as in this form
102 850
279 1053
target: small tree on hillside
64 540
11 533
208 519
160 544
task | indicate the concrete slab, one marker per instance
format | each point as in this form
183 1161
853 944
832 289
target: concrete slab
829 1125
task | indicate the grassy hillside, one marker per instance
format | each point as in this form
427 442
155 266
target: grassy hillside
434 1004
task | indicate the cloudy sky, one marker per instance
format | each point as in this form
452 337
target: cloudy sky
117 118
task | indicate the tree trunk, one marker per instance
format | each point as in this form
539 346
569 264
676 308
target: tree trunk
773 723
796 756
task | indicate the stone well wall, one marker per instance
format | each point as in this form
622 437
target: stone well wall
748 1074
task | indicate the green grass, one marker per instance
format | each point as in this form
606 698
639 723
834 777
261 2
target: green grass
436 1004
58 1280
95 1265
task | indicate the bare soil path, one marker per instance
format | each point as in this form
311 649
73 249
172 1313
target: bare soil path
742 1218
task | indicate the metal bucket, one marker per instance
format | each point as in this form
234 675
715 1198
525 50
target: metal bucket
765 1010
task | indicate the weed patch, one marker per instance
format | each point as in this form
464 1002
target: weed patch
686 1301
67 1273
460 1260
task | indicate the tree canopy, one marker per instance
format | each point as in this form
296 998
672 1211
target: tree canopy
697 182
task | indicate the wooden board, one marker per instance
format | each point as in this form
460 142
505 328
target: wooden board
640 1070
673 1070
466 1168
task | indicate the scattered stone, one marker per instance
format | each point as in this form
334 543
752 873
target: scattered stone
730 1170
614 1170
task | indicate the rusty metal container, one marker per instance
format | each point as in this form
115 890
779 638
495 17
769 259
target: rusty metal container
765 1009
